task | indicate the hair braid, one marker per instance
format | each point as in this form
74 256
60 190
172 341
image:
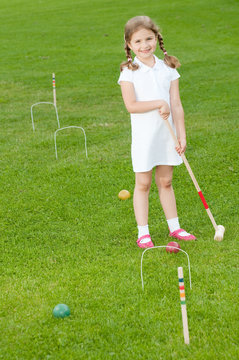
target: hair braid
171 61
129 63
161 44
127 52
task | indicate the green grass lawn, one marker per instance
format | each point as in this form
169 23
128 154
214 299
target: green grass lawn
64 236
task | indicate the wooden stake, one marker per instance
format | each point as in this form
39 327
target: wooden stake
183 305
54 89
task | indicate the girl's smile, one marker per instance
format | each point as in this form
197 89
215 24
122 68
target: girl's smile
143 43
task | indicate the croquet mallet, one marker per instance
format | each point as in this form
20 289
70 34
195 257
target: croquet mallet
219 229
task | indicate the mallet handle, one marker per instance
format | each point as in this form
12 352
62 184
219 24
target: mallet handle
192 177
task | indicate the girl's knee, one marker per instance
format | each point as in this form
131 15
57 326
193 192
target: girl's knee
164 176
143 181
143 186
164 182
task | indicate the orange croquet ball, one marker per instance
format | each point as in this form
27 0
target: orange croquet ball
124 194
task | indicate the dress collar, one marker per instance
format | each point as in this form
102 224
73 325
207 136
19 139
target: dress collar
146 68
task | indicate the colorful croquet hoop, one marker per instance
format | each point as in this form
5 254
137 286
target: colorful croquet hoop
164 246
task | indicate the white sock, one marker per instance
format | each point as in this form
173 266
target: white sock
143 230
173 225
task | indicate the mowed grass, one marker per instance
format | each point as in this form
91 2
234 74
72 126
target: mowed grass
65 236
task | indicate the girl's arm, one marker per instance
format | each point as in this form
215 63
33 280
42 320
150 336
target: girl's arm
178 115
133 106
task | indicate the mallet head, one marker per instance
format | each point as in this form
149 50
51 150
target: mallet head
219 233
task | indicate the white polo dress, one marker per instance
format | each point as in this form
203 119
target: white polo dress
152 143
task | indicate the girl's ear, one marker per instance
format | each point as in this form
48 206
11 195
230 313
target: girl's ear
129 46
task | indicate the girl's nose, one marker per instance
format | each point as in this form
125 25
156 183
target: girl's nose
145 44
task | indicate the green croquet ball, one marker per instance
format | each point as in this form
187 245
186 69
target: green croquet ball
61 311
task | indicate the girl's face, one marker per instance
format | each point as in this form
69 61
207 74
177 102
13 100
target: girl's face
143 43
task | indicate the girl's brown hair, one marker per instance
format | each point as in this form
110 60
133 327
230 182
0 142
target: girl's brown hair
135 24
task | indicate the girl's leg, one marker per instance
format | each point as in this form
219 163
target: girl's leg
141 196
163 179
141 207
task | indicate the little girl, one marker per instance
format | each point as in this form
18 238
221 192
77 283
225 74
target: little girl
150 90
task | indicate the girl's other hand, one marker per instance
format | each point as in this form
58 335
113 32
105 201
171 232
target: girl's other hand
164 110
182 146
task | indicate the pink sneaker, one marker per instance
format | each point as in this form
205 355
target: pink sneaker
176 235
148 244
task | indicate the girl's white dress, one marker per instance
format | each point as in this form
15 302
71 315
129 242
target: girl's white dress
152 143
